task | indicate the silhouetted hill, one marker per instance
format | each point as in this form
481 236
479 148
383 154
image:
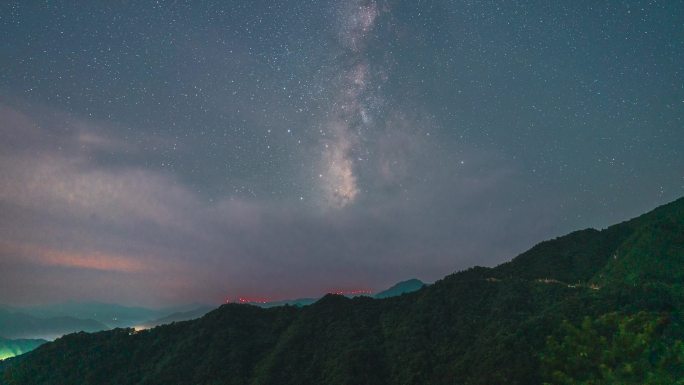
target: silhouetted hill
400 288
590 307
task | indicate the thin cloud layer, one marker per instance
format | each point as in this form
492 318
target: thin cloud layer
64 210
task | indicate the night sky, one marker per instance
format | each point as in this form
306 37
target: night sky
168 152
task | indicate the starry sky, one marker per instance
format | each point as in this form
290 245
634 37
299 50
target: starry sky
190 151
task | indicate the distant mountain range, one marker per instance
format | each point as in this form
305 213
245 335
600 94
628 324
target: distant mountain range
400 288
55 320
111 315
176 317
25 328
591 307
299 302
15 325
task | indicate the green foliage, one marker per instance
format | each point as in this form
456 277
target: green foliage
614 349
652 254
573 258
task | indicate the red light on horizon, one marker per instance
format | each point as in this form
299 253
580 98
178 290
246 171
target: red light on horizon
248 300
264 300
351 292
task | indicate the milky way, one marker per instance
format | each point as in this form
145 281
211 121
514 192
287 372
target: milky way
172 151
349 115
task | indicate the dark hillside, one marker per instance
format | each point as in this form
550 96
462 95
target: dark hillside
480 326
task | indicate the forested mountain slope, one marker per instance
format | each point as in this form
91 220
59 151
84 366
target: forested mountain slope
614 294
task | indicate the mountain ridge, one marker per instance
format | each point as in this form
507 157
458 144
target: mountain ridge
399 288
478 326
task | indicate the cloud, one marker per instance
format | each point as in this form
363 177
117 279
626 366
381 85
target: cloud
68 215
81 260
65 185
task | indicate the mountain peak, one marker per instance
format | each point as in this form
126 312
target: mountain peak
400 288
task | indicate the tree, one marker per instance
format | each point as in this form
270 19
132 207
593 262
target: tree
614 349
